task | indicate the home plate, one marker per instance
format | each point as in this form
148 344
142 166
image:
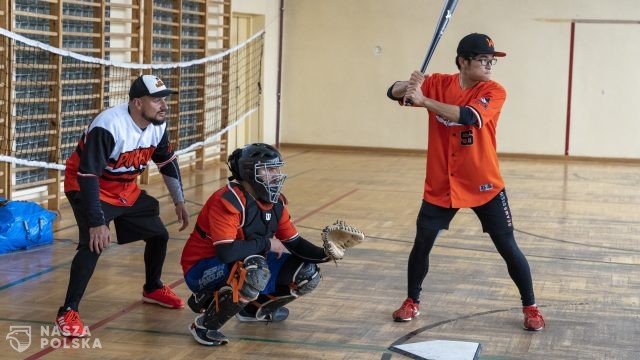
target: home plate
440 350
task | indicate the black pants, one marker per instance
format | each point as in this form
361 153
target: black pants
495 217
141 221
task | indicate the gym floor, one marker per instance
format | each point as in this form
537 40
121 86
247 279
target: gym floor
576 221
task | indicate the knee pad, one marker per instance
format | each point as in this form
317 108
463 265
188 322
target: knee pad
249 278
305 279
221 309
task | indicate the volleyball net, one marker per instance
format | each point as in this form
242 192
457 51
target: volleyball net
49 95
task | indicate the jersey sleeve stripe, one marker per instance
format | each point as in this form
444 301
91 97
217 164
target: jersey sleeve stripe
166 162
291 238
225 241
477 115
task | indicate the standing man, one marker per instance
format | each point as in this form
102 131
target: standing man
462 166
100 184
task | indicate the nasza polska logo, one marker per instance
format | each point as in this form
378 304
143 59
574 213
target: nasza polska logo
19 338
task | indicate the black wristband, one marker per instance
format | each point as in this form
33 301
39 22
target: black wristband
390 93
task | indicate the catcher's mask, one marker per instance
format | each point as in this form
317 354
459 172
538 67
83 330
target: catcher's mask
259 165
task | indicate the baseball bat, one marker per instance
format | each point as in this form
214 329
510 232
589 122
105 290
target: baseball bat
447 11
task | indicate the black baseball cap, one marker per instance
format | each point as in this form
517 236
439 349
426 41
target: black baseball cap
476 44
149 85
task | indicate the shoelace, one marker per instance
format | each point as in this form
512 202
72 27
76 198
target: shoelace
165 290
533 313
408 305
71 316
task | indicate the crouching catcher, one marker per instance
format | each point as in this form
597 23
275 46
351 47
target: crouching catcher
235 261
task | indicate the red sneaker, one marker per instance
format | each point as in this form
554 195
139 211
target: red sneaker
533 319
407 311
163 297
69 324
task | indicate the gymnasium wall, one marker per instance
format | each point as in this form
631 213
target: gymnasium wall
340 56
270 10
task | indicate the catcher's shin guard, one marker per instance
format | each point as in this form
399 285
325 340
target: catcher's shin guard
305 279
199 302
222 309
273 309
252 279
246 280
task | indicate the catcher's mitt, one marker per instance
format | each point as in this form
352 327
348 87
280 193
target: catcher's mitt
338 237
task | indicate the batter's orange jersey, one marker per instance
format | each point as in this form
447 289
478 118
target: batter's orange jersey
462 164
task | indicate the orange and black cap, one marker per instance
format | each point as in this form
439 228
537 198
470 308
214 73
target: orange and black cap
477 44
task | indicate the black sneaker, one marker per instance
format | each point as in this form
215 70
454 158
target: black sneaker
280 314
205 336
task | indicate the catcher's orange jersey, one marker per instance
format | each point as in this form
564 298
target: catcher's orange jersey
223 224
462 164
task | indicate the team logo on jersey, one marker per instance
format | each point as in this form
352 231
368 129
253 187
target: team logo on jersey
137 158
267 216
486 187
484 102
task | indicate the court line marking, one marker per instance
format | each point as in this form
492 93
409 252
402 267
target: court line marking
408 336
320 344
98 325
134 305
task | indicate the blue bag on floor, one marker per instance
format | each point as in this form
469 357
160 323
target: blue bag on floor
24 225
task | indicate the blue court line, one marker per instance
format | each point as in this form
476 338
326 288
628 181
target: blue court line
27 278
48 270
34 275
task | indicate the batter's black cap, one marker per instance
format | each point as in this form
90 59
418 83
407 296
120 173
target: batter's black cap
149 85
476 44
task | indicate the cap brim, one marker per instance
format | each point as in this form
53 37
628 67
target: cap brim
499 54
163 93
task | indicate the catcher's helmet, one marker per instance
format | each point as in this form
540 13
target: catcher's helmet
259 165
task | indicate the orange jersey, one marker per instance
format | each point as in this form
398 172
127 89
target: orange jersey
462 164
224 223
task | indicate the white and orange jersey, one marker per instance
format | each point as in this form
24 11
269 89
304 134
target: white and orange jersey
462 164
114 149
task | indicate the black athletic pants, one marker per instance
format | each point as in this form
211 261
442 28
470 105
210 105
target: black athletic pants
141 221
496 220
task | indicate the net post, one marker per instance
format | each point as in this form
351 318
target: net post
55 107
205 93
226 43
147 57
5 86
